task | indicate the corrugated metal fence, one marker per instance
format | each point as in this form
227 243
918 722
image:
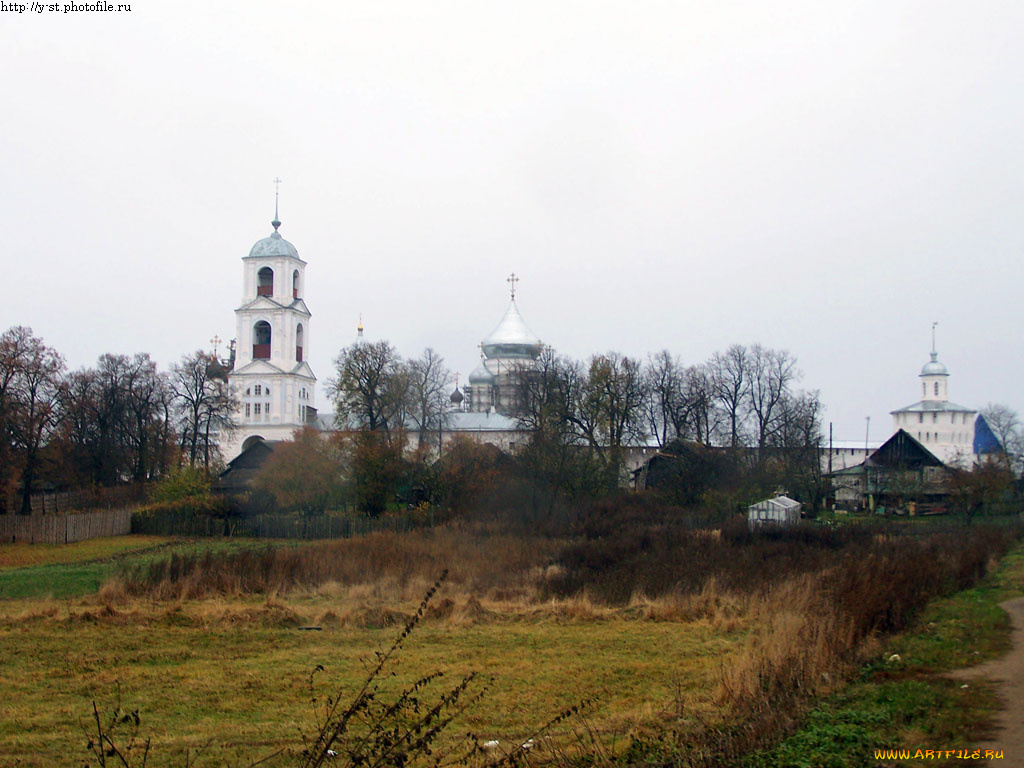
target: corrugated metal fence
63 529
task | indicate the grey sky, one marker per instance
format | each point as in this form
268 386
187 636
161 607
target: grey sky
825 177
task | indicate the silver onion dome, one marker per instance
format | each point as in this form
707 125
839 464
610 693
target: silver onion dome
481 375
512 337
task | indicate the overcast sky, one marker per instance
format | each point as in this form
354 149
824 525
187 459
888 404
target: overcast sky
824 177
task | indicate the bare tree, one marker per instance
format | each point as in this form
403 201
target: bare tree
772 371
14 345
608 409
556 457
703 415
667 405
371 387
204 405
429 381
730 384
146 392
797 435
33 396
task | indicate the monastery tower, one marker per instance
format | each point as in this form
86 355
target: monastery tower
943 427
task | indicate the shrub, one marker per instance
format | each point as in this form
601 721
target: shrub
184 483
305 473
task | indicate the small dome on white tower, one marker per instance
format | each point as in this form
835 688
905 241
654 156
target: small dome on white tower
274 245
933 367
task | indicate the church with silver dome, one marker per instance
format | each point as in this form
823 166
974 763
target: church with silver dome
507 353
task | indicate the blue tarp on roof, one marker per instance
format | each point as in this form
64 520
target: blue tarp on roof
985 440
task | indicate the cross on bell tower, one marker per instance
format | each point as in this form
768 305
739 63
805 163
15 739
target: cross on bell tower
512 280
277 192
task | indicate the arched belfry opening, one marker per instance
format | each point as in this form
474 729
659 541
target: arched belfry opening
298 343
295 284
265 282
261 340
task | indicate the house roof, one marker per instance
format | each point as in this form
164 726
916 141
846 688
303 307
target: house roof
902 450
779 501
241 470
933 406
481 422
899 451
985 440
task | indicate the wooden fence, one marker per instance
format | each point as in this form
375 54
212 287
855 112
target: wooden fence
273 526
63 529
50 502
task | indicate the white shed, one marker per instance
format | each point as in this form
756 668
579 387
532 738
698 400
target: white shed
781 510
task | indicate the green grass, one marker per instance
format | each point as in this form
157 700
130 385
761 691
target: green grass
908 704
21 555
75 570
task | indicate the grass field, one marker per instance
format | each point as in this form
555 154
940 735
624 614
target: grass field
236 670
243 680
212 643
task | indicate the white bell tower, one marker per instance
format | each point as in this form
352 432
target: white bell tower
273 383
934 377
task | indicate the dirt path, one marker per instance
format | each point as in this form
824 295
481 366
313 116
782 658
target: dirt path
1008 671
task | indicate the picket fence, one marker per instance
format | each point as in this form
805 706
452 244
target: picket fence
64 529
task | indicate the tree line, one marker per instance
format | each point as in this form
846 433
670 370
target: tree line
581 417
119 421
736 424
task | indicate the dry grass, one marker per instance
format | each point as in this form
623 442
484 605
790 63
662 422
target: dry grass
234 667
386 567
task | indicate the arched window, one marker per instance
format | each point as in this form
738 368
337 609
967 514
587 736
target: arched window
298 342
924 389
295 284
261 341
936 389
265 282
